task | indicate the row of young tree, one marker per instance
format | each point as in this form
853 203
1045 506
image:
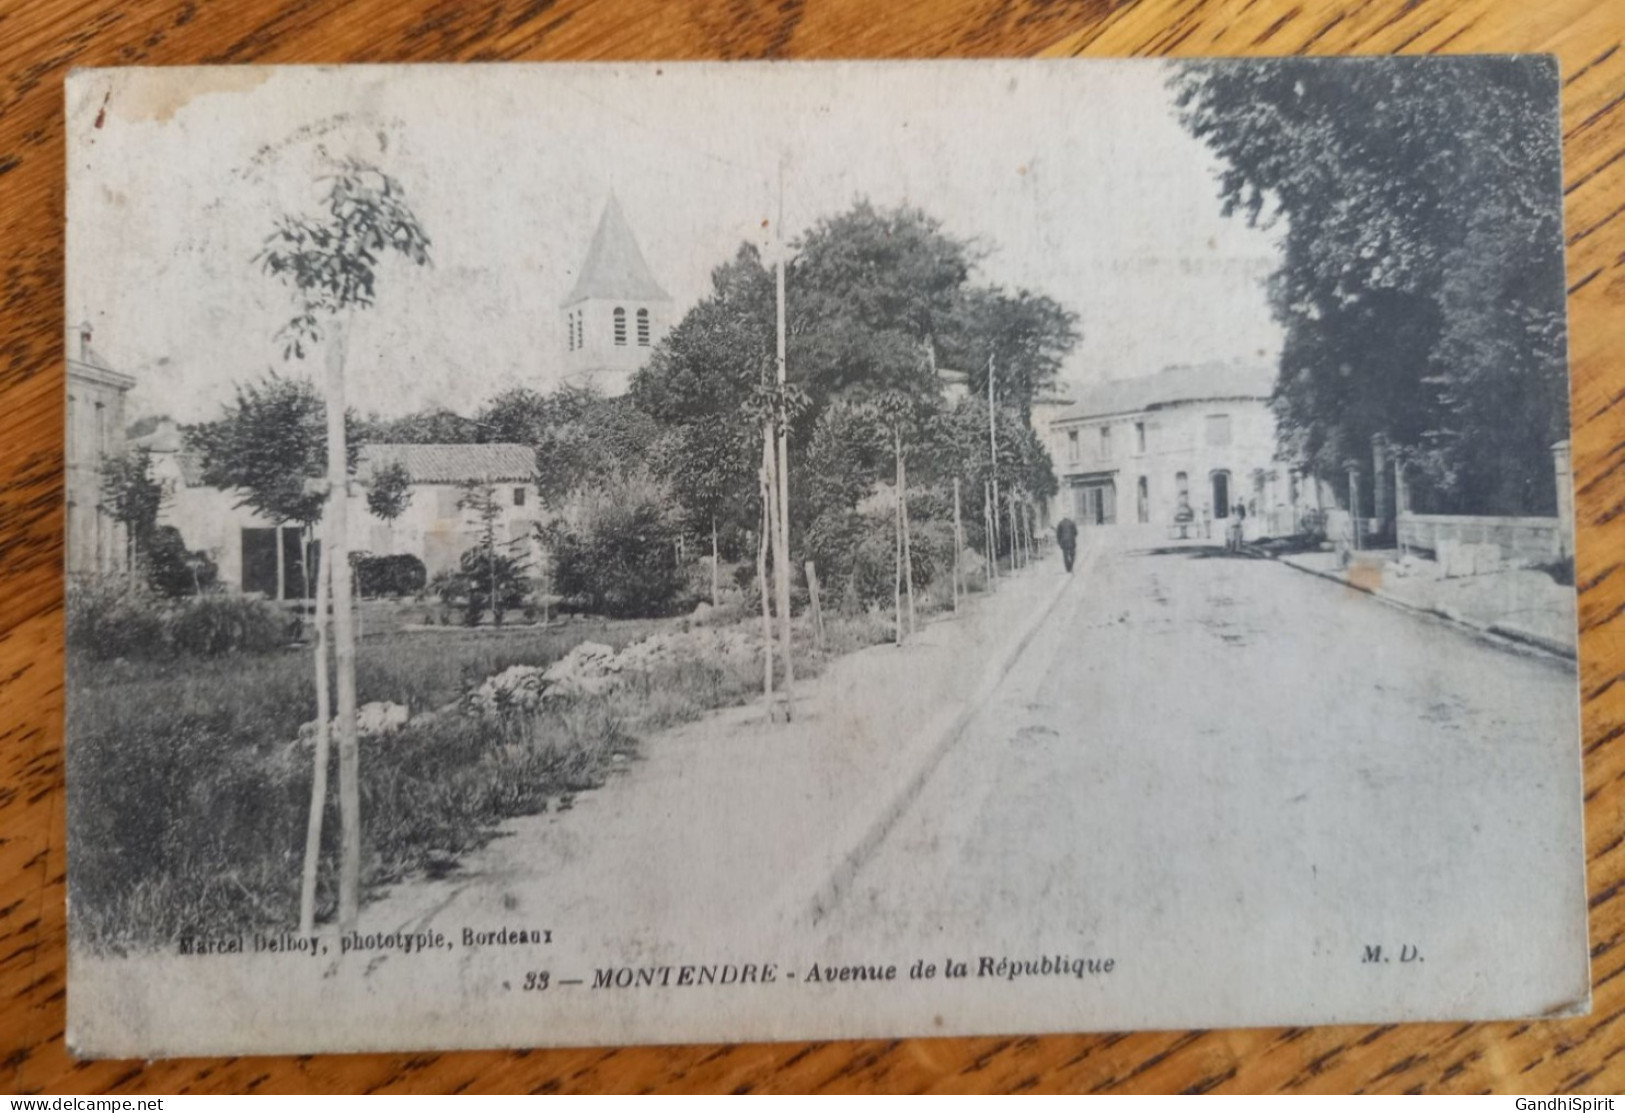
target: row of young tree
1421 284
878 302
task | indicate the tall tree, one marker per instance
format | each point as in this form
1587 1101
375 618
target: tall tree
715 356
330 261
270 445
1024 336
870 290
1422 268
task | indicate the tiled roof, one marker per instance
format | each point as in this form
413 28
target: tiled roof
1189 383
615 268
453 463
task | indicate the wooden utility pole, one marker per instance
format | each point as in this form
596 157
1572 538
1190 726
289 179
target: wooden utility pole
336 557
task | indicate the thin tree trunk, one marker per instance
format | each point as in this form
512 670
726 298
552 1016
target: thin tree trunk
959 547
1014 545
323 758
990 546
897 536
993 461
761 587
281 568
817 607
337 559
781 463
716 567
781 578
307 541
908 551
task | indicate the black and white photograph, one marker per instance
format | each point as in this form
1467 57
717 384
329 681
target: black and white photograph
568 554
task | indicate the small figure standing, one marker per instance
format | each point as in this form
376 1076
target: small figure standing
1066 536
1235 533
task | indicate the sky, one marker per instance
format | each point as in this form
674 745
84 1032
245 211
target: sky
1075 178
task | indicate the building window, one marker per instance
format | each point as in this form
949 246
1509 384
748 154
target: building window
620 326
1105 442
643 328
1072 446
519 496
1218 430
1139 437
570 325
1182 486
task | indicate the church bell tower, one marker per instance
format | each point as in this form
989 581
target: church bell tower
616 313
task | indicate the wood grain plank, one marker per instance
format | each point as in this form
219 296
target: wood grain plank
40 42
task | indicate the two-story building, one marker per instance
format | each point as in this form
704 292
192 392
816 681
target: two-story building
1171 453
95 432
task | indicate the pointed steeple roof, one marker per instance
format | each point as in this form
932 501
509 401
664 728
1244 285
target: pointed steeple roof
615 268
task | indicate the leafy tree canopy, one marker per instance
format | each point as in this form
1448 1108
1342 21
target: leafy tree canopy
270 443
1026 336
1422 270
390 491
332 260
869 291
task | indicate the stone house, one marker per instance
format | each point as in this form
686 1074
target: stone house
267 558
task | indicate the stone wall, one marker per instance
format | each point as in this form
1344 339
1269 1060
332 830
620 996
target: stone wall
1521 541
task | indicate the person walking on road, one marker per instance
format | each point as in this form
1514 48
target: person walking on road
1066 536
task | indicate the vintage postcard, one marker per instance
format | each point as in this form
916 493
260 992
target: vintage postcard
597 554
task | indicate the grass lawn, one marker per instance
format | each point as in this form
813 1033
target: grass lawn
189 798
189 793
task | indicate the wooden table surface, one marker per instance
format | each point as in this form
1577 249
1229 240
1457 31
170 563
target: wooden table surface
41 39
